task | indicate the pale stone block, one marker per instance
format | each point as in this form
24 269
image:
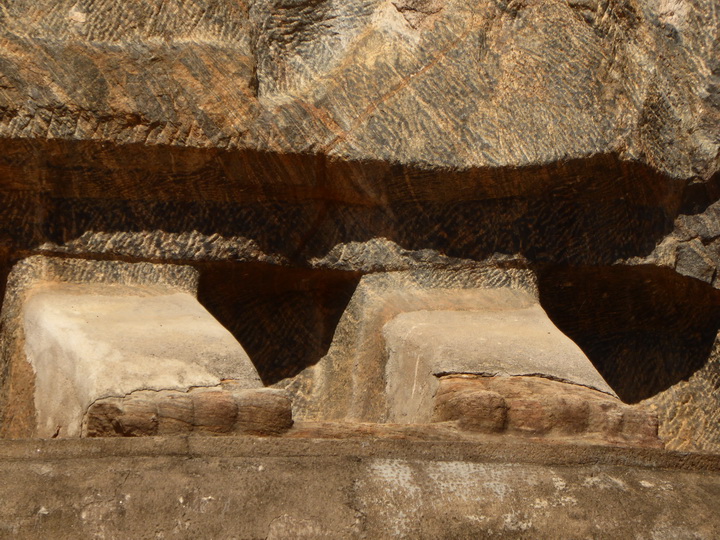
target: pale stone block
349 383
107 348
512 337
88 342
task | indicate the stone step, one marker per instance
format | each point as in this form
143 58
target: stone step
275 487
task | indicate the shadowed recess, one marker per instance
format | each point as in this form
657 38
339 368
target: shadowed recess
284 318
588 211
645 328
699 195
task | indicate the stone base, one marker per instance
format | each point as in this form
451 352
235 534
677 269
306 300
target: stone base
119 338
247 487
207 411
539 407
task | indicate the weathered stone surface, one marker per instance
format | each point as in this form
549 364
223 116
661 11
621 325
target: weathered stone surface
537 407
17 378
227 409
278 488
482 410
349 382
690 410
451 84
319 169
347 138
508 334
691 249
187 246
652 335
87 342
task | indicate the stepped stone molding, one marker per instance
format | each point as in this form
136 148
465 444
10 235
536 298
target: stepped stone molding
353 489
225 409
541 408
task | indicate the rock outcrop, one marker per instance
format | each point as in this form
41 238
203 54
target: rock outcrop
455 261
291 152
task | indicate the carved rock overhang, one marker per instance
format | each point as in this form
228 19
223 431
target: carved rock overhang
589 228
229 142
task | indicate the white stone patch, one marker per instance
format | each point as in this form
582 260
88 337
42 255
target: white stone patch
398 485
604 481
673 12
470 481
559 483
389 20
516 522
646 484
567 501
77 15
397 474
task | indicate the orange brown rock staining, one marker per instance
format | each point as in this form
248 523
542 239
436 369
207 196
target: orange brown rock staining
542 408
200 411
360 268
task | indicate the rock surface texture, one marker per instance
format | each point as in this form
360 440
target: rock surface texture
425 345
478 240
538 407
199 487
324 166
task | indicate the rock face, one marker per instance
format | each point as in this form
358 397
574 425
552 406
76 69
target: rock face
192 487
483 238
220 410
324 167
351 382
444 84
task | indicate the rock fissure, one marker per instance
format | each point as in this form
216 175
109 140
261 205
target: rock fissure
480 374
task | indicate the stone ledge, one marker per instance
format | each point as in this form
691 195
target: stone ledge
539 407
487 451
247 487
